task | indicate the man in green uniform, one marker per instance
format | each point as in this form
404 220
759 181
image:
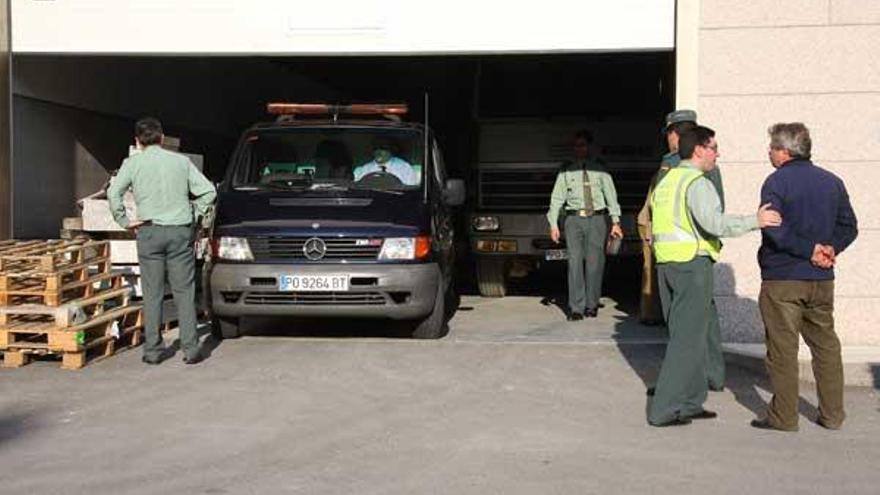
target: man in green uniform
687 223
588 194
163 183
679 122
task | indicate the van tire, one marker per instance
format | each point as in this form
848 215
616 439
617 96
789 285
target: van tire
224 327
491 276
434 326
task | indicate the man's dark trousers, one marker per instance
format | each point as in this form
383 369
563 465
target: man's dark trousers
789 307
168 249
686 296
585 240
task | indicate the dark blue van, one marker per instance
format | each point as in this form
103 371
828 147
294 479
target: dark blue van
338 212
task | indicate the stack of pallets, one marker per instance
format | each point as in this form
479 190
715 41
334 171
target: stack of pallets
60 298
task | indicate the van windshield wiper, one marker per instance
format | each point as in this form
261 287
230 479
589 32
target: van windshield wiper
373 189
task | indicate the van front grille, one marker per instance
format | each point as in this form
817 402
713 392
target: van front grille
337 249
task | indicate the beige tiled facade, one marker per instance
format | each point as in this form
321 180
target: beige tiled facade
816 61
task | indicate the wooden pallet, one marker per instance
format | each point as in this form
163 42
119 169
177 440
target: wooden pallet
67 292
52 256
78 345
37 280
69 314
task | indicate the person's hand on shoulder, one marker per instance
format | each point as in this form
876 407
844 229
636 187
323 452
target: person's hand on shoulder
768 217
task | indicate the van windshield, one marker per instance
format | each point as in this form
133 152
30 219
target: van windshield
296 159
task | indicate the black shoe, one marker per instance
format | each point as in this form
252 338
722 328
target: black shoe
714 388
574 317
151 361
704 414
591 313
198 358
764 424
679 421
650 392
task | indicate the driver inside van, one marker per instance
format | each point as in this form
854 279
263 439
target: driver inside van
384 161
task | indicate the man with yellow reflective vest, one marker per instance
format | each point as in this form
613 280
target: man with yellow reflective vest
686 226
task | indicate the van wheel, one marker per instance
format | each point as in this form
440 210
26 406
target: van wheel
223 327
434 325
491 276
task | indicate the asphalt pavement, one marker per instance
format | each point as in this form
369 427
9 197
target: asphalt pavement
514 400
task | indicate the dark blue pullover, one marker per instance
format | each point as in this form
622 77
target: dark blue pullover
815 209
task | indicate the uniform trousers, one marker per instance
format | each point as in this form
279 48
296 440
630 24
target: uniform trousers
686 294
168 250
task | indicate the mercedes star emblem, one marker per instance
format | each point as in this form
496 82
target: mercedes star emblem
314 249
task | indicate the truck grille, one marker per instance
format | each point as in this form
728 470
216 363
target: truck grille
528 187
291 248
516 188
316 298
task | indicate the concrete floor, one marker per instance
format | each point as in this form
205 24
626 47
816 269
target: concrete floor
514 400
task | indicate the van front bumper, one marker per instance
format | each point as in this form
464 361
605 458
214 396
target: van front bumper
396 291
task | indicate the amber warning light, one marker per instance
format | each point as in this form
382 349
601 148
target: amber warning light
324 109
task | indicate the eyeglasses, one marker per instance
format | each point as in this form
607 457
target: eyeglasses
714 147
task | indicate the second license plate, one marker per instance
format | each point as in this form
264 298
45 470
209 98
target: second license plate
313 283
555 254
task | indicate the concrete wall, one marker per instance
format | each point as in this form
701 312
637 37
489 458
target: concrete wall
815 61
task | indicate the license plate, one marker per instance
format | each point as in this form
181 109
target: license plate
555 254
313 283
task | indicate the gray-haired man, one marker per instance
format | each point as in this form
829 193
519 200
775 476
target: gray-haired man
797 271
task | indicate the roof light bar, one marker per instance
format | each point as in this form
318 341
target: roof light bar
325 109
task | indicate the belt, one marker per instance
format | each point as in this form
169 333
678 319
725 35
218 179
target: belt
586 213
149 223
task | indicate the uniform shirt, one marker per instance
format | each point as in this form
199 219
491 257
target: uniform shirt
705 208
815 209
162 182
569 190
396 166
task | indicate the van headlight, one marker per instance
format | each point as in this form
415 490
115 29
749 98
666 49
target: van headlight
405 248
486 223
233 249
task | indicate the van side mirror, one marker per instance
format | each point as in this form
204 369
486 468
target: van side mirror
454 193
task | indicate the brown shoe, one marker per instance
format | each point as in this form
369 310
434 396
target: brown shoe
828 426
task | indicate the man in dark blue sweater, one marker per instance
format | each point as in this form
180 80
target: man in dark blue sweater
797 268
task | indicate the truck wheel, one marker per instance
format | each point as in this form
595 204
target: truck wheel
223 327
490 277
434 325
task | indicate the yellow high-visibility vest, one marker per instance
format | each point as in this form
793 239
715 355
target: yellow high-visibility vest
675 239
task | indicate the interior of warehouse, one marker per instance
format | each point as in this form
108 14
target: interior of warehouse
73 115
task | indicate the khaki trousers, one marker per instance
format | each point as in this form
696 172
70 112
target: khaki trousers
789 308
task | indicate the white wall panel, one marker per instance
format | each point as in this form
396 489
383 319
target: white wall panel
298 27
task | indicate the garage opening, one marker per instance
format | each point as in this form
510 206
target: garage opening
73 116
